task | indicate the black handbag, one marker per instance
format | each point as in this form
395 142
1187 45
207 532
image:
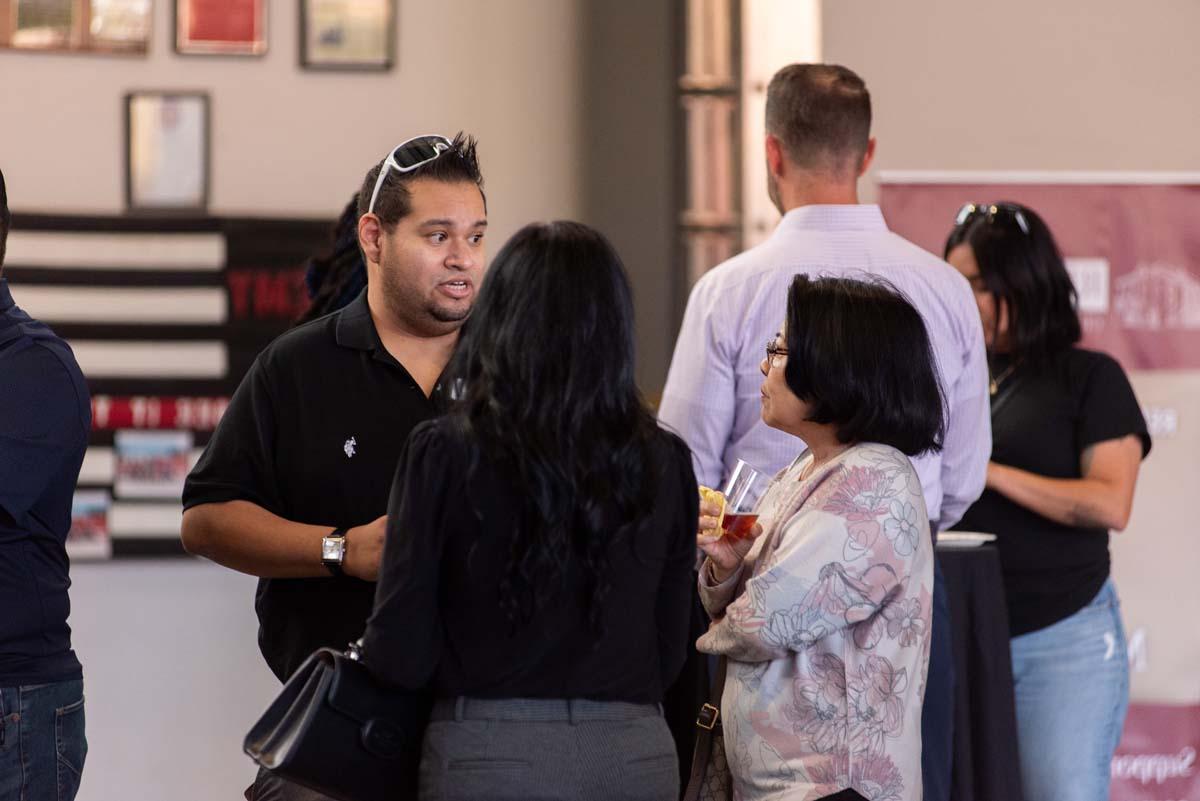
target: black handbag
337 730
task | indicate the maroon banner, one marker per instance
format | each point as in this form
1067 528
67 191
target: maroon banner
1156 760
197 414
1133 251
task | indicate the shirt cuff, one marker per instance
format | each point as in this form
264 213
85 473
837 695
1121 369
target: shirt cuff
717 595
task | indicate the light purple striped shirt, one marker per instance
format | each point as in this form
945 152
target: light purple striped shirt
712 393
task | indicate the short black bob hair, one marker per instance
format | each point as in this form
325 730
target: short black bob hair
1023 269
858 354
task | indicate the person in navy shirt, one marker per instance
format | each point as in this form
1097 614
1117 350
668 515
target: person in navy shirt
45 415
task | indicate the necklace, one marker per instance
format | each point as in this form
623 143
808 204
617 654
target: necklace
994 385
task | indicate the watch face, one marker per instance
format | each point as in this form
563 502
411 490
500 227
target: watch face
332 549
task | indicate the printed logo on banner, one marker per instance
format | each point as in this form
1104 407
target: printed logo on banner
199 414
151 464
1161 421
1157 297
1091 278
1156 768
1157 756
267 294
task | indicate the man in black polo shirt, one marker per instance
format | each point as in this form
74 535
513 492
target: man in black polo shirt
45 415
293 487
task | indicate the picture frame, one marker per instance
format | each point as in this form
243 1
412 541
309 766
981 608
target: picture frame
221 27
356 35
109 27
167 152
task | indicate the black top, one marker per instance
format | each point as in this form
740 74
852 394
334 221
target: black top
438 620
313 435
45 416
1043 423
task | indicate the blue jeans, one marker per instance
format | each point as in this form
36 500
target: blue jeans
1072 689
42 743
937 712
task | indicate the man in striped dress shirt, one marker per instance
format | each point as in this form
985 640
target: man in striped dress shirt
818 145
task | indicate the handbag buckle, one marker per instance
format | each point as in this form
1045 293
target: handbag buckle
707 718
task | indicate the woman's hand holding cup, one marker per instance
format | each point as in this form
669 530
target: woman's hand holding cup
725 554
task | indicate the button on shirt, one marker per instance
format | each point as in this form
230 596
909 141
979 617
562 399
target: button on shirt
712 395
313 435
45 415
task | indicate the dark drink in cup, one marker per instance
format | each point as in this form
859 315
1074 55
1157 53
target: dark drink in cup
737 525
745 486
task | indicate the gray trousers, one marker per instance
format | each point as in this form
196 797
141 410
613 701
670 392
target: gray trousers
538 750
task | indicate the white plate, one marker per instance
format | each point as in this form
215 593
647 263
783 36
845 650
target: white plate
963 539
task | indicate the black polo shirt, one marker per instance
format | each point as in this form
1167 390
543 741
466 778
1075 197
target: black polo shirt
313 434
45 415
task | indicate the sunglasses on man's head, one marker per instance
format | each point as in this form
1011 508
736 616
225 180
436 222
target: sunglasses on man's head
990 212
408 156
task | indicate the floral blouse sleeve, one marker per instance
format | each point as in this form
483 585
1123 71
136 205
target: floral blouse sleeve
837 563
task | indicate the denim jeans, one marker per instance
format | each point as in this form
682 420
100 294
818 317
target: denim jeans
42 742
1072 689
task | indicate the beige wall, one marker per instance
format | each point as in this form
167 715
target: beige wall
290 142
627 153
1025 84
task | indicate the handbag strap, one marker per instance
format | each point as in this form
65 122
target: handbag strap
709 725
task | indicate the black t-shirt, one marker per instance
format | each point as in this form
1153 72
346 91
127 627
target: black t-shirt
313 434
438 618
1042 424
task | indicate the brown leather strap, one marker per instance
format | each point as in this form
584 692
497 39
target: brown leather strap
707 728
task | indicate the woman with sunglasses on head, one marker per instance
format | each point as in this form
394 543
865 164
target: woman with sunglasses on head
1068 438
823 615
538 568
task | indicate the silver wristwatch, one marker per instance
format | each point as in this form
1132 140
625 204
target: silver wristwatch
333 551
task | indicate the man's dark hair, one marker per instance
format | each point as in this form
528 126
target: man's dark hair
1026 272
859 355
5 219
458 164
821 113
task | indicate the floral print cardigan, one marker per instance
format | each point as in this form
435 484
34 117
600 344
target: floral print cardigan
826 628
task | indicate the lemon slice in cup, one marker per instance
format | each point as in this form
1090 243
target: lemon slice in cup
714 496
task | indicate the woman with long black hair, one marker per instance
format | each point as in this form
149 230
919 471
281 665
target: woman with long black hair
1068 438
537 572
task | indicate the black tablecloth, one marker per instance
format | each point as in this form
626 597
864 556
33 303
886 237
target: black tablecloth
986 766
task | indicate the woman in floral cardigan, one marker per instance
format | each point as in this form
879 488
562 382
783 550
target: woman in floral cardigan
824 612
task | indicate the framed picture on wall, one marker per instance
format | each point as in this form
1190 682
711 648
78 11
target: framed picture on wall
93 26
166 152
221 27
120 26
347 34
